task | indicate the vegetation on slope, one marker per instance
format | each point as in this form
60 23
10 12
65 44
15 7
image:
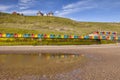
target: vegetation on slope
35 42
50 25
55 25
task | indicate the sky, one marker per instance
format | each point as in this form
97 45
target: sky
79 10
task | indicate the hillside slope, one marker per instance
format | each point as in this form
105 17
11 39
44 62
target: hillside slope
55 25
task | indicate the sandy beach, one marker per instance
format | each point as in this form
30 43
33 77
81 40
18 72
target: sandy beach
56 49
103 61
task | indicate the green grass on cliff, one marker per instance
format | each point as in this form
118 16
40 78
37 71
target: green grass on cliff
55 25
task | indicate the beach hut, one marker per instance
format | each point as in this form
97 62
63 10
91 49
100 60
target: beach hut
104 37
16 35
86 37
32 35
99 37
75 36
114 33
12 35
58 36
0 34
40 35
116 38
26 35
71 36
45 36
4 35
81 37
48 35
103 33
95 37
72 55
108 37
62 56
8 35
36 35
91 37
108 33
62 36
98 32
19 35
112 37
65 36
52 36
119 38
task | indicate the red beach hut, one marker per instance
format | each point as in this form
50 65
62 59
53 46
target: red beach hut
32 35
15 35
0 34
45 35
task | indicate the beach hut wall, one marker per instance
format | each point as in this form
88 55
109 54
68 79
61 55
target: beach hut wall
47 35
86 37
8 35
33 35
26 35
99 37
116 38
40 35
103 37
81 37
20 35
62 36
91 37
119 38
36 35
65 36
0 34
107 37
58 36
101 33
12 35
75 36
4 35
112 38
95 37
71 36
51 36
15 35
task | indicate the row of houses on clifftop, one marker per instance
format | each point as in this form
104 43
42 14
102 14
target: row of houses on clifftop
38 14
15 13
45 14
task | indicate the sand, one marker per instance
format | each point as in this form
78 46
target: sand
55 49
103 61
102 65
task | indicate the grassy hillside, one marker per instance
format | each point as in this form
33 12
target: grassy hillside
56 25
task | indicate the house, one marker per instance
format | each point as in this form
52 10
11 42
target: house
50 14
15 13
40 14
44 14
